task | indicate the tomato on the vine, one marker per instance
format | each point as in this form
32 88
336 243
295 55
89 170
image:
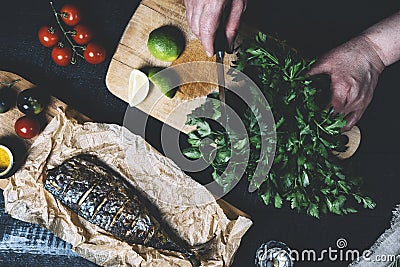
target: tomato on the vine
70 14
61 55
94 53
48 36
27 127
83 34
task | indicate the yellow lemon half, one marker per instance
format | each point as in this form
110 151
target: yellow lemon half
6 160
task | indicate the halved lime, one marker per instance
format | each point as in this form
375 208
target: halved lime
164 80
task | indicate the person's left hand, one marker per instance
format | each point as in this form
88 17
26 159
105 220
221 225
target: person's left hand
354 68
204 18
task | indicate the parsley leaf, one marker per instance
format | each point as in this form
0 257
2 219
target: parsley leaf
304 173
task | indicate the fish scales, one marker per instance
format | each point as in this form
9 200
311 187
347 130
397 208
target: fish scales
100 195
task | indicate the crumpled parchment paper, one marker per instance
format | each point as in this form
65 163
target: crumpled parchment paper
184 204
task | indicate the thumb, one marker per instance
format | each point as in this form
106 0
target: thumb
233 22
319 68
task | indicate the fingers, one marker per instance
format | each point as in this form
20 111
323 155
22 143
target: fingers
340 93
189 11
320 67
233 21
352 119
204 18
353 78
195 21
194 9
208 25
345 97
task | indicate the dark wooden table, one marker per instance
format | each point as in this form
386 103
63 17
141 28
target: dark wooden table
312 26
25 244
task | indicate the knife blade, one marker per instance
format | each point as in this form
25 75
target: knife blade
221 75
220 47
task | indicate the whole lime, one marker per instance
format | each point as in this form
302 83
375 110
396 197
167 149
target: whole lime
166 43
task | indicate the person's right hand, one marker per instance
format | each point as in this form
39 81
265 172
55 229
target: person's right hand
354 68
204 18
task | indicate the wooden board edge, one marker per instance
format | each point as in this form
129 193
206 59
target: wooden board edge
4 183
230 211
354 140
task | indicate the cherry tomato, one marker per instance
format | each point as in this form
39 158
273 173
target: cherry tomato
70 14
27 127
94 53
61 55
83 35
48 36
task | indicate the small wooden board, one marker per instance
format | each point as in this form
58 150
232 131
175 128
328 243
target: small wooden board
7 121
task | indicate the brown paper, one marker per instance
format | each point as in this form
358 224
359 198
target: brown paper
180 199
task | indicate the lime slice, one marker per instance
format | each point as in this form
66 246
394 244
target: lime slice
138 87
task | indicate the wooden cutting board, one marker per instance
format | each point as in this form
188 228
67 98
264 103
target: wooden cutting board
7 120
132 53
21 146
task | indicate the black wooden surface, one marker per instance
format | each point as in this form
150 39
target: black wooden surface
26 244
312 26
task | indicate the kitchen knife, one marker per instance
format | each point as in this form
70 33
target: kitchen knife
220 45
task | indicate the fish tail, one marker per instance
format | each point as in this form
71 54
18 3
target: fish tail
196 252
193 258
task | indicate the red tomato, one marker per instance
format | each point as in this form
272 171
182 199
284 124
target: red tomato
27 127
70 14
82 35
61 55
48 36
94 53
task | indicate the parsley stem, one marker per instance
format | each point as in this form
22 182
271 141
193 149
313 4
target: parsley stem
322 128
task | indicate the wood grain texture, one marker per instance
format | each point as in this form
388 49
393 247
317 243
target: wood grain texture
194 52
20 146
354 136
132 53
23 244
8 119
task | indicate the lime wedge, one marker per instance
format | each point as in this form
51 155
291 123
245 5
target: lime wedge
138 87
164 81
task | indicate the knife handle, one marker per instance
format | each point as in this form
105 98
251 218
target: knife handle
220 43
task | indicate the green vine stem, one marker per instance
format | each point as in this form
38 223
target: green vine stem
65 33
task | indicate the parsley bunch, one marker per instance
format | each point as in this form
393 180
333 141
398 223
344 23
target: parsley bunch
304 172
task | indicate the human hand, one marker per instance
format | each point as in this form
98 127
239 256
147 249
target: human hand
204 18
354 68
